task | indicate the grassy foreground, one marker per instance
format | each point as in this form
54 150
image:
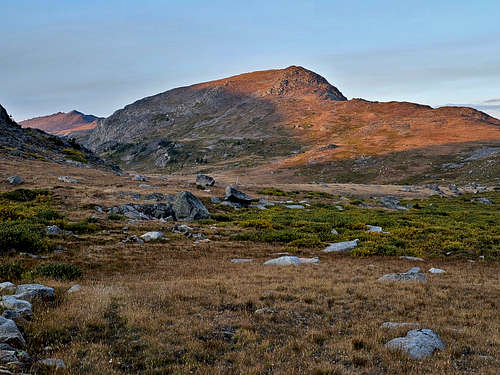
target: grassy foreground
183 307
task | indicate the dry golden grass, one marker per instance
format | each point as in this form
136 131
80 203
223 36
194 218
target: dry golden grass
179 307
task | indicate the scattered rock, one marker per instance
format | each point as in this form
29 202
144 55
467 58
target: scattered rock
418 343
413 274
28 292
146 186
454 189
341 246
10 334
151 236
241 260
391 202
265 310
188 207
205 180
138 177
15 180
183 228
339 208
53 230
7 287
416 259
67 179
333 231
215 200
394 325
436 270
143 211
236 196
133 238
75 288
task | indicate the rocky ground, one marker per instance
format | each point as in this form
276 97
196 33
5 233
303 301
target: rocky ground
167 276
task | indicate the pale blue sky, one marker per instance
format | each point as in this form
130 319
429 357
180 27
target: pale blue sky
97 56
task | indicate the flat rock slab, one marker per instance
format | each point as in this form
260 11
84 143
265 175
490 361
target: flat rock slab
341 246
374 229
10 334
415 259
294 206
418 343
291 261
241 260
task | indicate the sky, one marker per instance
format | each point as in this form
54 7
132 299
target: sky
97 56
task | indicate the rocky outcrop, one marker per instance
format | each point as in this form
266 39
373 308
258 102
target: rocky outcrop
418 343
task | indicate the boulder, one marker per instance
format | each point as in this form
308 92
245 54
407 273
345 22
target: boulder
53 230
204 180
152 236
236 196
417 344
341 246
28 292
13 303
16 315
143 211
391 202
7 287
187 207
10 334
413 275
138 177
15 180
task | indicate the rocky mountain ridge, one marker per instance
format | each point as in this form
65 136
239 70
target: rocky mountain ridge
62 123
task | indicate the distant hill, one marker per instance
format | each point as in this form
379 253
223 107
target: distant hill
63 123
36 144
290 121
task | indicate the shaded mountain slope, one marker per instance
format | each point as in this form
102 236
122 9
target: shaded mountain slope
36 144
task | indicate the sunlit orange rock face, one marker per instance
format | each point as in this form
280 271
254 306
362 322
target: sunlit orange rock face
62 123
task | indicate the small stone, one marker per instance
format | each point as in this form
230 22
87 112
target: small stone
294 206
333 231
374 229
341 246
75 288
15 180
265 310
339 208
417 344
414 270
436 270
138 177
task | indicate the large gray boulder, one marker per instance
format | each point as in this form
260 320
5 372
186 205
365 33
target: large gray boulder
13 303
10 334
151 236
28 292
236 196
418 343
189 208
204 180
143 211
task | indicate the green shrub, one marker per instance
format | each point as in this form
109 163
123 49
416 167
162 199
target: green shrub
115 217
222 217
22 236
24 195
82 227
306 242
275 192
75 155
260 224
58 271
10 271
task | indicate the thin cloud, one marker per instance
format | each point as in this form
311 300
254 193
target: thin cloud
492 101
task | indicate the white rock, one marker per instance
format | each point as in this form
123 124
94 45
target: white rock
374 229
418 343
151 236
314 260
340 208
414 270
341 246
294 206
7 287
333 231
436 270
